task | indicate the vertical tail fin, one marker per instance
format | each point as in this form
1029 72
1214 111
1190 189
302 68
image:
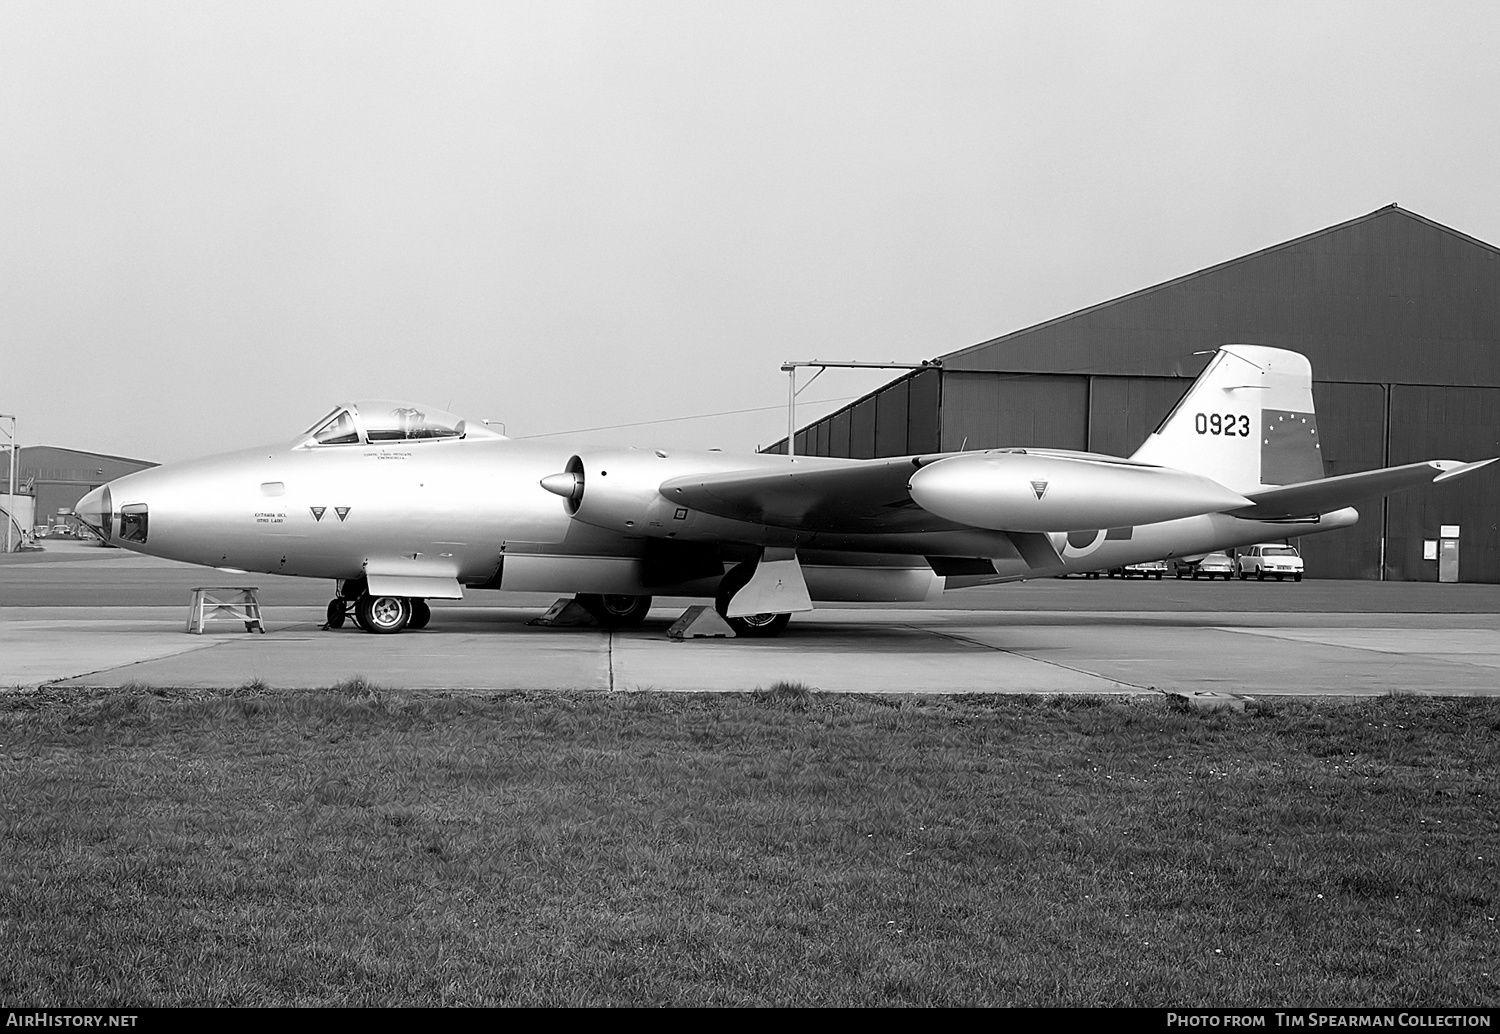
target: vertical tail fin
1246 422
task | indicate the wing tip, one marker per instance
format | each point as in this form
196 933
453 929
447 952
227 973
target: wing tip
1452 473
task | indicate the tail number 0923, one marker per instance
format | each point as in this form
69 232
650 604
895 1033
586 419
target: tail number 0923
1222 423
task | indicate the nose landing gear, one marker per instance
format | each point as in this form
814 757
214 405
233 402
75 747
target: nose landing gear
383 615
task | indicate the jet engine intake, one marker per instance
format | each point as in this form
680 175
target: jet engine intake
618 489
568 484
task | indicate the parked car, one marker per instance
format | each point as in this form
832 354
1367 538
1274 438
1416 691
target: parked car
1273 558
1150 569
1210 566
39 532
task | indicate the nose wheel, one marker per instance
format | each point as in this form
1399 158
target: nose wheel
383 615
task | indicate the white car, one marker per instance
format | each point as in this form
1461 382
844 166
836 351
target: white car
1150 569
1273 558
1210 566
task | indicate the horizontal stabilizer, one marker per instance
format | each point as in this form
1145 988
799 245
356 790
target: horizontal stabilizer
1335 493
1454 473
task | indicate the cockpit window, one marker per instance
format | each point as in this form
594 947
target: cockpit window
318 423
399 422
338 431
383 421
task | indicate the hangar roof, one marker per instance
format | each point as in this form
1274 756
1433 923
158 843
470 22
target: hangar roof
1387 297
52 463
49 453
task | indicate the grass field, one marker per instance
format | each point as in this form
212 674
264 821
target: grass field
366 846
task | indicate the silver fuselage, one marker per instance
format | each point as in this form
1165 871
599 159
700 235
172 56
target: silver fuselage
474 512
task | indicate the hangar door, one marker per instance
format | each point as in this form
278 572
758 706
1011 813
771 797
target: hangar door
999 410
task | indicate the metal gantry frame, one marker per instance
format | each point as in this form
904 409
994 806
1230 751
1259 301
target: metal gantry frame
791 368
10 484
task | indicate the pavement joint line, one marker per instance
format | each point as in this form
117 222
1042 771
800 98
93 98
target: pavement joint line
1039 660
192 648
1437 658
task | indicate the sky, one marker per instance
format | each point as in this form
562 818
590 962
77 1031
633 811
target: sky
612 222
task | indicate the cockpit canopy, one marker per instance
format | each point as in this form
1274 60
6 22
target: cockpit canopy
377 421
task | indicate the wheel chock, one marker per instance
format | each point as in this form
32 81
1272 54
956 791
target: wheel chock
566 613
698 623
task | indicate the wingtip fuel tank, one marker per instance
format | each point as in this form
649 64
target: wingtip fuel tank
1043 492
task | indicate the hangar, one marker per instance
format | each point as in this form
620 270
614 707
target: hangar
57 478
1399 315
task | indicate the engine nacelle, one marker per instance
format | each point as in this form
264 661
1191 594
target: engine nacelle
1048 491
618 489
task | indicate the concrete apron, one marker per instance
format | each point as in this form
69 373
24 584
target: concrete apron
861 651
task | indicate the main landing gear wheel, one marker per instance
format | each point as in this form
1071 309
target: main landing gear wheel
421 613
615 610
753 626
337 609
759 626
383 614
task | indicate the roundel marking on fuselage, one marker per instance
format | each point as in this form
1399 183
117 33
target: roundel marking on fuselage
1082 543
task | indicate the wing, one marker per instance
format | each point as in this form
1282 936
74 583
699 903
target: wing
1017 490
1309 497
815 494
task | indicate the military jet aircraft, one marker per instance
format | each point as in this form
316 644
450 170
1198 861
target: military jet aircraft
400 504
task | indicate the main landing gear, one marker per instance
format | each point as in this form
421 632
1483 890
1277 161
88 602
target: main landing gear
615 610
626 611
382 615
752 626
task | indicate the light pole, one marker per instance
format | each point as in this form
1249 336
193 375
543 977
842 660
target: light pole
791 387
10 496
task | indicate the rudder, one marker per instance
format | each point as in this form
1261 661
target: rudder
1247 422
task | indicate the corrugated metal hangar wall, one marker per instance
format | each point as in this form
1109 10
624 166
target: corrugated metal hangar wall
1399 315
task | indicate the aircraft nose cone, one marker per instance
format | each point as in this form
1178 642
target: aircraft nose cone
94 510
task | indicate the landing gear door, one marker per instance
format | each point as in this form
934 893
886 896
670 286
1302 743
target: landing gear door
776 587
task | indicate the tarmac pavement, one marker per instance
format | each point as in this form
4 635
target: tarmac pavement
82 616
